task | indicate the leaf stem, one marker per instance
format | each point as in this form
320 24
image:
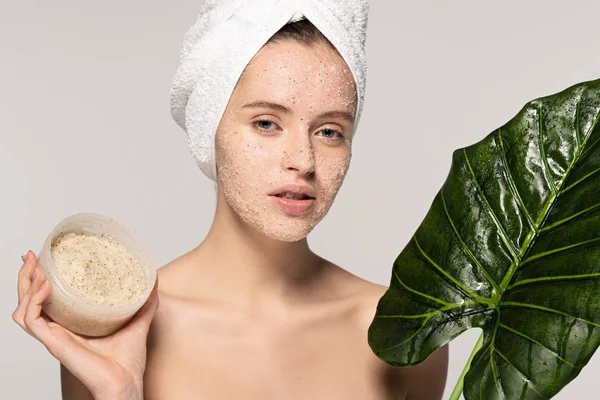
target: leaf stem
458 389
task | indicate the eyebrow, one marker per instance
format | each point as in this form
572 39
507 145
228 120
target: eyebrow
279 107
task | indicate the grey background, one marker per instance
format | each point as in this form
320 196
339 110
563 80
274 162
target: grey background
85 127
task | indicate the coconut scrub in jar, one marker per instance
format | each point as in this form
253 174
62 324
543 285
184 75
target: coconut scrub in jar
101 274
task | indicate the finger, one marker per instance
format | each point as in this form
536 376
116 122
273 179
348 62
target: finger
33 320
19 314
25 273
59 341
143 318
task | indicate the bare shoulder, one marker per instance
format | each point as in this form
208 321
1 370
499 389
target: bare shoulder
174 278
171 273
173 283
425 381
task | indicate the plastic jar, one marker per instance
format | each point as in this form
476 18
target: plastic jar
72 310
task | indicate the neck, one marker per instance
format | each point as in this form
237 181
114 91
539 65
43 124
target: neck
246 267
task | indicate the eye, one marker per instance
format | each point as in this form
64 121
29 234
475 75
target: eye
331 134
264 124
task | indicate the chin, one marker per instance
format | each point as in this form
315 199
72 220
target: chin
293 229
294 235
278 226
286 229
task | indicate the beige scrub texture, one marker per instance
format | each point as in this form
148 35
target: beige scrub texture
99 268
254 158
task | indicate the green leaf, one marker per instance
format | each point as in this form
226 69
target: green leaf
511 245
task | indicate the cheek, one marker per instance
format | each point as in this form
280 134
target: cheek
243 158
332 171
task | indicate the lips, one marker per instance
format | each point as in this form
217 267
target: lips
293 196
294 191
293 199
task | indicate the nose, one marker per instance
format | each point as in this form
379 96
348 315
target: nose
299 154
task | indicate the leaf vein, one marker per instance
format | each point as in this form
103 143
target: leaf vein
520 373
466 248
562 221
545 166
546 309
495 374
456 282
508 328
580 180
578 152
511 247
558 250
482 356
512 184
409 338
421 328
554 278
577 119
590 147
434 312
445 303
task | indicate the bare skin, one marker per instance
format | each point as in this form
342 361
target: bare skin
252 312
316 349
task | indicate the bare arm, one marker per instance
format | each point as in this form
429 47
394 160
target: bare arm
72 388
425 381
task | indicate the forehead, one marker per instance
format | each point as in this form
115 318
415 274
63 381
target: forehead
299 75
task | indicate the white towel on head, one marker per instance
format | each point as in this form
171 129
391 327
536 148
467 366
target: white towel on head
226 37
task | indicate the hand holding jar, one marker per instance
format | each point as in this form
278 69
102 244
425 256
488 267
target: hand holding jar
102 342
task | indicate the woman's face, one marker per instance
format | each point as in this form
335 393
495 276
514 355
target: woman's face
288 122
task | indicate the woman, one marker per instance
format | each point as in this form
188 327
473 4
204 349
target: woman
252 312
